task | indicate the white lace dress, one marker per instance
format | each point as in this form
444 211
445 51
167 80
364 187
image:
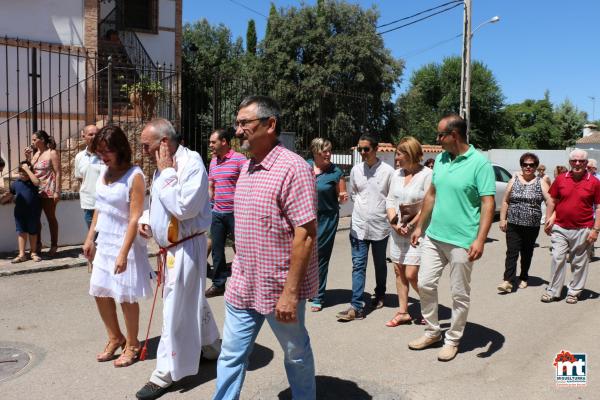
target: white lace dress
112 204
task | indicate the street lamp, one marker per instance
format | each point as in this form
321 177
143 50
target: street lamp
465 79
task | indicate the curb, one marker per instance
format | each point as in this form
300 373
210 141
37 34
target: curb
54 267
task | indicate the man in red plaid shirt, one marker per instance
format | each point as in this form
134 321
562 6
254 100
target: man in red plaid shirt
275 267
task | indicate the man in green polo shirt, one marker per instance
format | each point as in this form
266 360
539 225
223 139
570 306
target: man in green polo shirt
460 203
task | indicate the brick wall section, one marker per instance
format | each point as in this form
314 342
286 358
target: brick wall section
91 12
178 39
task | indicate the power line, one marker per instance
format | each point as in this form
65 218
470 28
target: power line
248 8
421 19
419 13
423 50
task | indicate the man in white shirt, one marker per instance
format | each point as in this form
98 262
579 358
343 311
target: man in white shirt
370 183
178 219
87 171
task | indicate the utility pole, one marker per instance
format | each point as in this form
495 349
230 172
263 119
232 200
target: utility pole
465 77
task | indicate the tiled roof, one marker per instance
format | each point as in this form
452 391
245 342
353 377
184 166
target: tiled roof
593 138
389 147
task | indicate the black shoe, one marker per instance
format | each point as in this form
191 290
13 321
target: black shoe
150 391
377 302
214 291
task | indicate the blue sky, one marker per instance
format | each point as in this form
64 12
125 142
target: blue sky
537 45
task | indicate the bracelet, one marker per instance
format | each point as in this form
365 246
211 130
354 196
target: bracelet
597 230
410 226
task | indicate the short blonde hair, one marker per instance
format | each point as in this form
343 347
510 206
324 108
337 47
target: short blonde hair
412 147
319 144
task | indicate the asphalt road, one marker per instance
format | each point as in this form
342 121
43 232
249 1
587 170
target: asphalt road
507 352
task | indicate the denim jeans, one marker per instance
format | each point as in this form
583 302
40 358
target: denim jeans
360 255
222 224
239 333
88 216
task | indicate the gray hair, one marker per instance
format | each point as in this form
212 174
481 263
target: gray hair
266 107
578 152
164 128
319 144
592 163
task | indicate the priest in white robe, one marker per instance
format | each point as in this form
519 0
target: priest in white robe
179 217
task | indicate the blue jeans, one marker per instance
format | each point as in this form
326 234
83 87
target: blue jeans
239 333
360 255
222 224
88 215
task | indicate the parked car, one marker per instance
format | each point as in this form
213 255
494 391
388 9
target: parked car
502 178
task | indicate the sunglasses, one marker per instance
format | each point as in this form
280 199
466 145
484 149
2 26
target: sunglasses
528 165
363 149
578 161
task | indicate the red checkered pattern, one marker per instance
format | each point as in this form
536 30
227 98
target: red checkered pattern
271 198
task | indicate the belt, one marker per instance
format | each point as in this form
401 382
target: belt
161 260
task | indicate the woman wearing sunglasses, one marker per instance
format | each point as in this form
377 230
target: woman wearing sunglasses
520 218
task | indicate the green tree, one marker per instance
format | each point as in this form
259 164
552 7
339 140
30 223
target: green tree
569 122
316 53
251 38
532 124
434 90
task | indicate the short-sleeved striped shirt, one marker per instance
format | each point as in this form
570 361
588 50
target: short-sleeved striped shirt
271 199
224 172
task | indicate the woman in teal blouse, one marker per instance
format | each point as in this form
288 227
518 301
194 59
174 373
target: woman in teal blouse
331 192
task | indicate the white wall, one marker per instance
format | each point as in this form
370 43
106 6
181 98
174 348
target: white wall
161 47
71 225
54 21
509 158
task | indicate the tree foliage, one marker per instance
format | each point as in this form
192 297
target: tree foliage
326 64
538 124
434 90
251 38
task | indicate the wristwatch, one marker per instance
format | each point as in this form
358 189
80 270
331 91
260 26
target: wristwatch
596 229
410 226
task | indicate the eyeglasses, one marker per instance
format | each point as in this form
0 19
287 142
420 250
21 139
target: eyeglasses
363 149
578 161
244 122
527 165
444 133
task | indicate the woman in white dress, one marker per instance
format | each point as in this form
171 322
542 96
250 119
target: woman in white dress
121 270
409 184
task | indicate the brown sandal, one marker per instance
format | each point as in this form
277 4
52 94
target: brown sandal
129 356
18 259
109 351
398 320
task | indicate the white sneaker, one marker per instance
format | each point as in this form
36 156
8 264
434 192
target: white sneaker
212 351
505 287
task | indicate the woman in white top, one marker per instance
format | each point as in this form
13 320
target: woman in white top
409 184
121 270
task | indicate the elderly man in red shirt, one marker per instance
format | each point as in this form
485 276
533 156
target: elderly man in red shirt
572 226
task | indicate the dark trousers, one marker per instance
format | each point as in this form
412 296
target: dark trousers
519 239
222 225
326 230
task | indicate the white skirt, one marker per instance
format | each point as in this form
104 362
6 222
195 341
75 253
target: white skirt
127 287
401 252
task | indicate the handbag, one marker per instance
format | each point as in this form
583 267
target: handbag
408 212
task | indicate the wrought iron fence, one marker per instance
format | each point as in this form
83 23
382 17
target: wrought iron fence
76 88
337 116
